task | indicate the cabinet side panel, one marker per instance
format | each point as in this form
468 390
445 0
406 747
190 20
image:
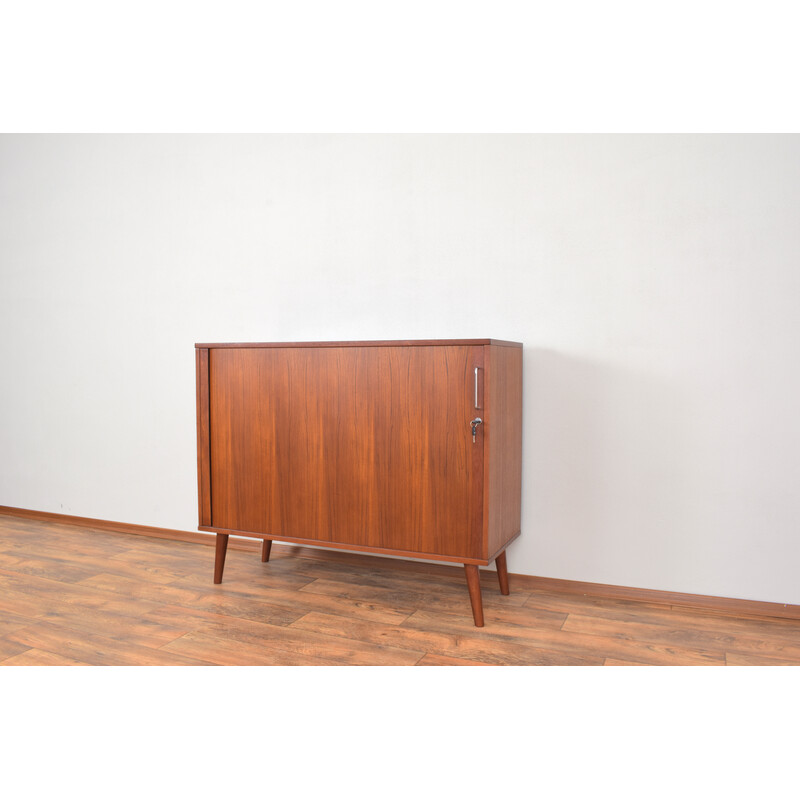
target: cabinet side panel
504 446
203 439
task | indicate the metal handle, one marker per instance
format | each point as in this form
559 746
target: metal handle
476 387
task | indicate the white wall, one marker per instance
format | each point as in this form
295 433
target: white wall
654 281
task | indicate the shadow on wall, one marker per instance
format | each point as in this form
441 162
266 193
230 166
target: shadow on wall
603 473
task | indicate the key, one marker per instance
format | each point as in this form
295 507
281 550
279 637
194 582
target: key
475 422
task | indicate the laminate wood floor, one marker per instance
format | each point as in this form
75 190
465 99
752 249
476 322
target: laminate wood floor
72 596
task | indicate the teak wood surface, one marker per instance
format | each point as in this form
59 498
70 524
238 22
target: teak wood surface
360 446
363 446
77 595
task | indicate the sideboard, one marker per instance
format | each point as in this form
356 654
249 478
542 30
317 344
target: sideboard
406 448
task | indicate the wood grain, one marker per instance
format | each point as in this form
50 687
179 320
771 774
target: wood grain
474 586
65 524
569 644
33 657
242 654
70 595
220 551
95 649
364 446
755 660
732 605
502 572
440 642
361 446
63 521
503 432
10 648
707 640
431 660
266 547
203 438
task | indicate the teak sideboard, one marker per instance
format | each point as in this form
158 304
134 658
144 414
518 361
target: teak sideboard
406 448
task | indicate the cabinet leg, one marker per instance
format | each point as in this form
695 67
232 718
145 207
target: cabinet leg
474 585
266 546
502 572
219 559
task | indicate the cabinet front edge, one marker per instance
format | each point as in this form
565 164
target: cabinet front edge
347 546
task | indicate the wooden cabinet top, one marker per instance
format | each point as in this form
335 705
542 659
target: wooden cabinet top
390 343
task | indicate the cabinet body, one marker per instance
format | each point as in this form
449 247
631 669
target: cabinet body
363 445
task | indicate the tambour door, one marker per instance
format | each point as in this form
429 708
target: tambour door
359 445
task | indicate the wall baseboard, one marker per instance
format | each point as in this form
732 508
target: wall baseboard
124 527
722 605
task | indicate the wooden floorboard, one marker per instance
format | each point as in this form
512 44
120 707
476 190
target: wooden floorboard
72 596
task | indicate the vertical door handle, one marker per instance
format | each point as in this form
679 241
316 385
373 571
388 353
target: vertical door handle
476 387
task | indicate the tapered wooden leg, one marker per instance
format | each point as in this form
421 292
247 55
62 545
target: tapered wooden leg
502 572
219 560
266 546
474 585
